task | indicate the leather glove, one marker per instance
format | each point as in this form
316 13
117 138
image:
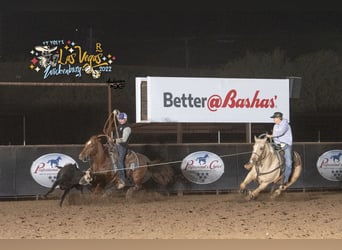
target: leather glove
111 141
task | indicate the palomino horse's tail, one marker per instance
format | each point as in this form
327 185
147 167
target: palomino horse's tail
296 171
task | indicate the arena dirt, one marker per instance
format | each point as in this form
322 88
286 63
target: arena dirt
294 215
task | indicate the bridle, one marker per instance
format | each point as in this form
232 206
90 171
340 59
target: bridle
260 158
92 143
91 148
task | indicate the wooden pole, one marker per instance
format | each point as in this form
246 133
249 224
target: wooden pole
109 97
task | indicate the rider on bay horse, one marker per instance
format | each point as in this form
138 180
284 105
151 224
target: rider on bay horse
121 140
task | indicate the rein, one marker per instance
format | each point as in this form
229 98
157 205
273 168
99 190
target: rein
258 164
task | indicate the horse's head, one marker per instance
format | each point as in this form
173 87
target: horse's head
259 149
90 149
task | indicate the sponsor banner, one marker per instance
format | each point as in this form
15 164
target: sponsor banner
329 165
44 169
202 167
183 99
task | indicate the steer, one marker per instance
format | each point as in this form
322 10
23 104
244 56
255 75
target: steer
68 177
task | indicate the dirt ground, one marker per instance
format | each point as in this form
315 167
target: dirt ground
293 215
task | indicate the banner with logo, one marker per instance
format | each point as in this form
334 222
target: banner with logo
202 167
44 170
187 99
329 165
61 57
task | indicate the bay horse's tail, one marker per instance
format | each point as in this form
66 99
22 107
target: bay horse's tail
161 174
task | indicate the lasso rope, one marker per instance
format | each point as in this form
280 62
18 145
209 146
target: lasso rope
107 130
170 162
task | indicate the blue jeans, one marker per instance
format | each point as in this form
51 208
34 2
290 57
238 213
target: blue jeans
288 162
121 162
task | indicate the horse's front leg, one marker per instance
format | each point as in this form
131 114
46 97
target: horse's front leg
253 194
133 189
249 178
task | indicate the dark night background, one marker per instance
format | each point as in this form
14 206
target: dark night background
244 39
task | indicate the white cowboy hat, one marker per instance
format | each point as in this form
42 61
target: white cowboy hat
45 48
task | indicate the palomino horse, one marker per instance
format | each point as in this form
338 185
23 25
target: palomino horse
137 166
268 166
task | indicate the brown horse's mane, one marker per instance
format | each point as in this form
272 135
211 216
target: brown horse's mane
99 136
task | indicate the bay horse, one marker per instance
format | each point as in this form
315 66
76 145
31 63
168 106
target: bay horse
268 167
138 166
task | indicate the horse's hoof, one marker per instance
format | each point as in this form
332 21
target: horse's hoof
120 184
107 193
243 192
276 193
129 193
249 198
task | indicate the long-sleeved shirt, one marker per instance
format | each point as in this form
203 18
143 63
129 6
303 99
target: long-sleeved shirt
282 133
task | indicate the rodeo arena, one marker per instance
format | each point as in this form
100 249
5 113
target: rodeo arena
200 162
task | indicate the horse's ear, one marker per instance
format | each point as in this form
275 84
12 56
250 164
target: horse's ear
102 139
255 138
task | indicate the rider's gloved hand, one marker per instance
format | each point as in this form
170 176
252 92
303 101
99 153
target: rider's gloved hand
111 141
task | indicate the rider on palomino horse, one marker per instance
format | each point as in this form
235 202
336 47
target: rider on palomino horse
282 136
